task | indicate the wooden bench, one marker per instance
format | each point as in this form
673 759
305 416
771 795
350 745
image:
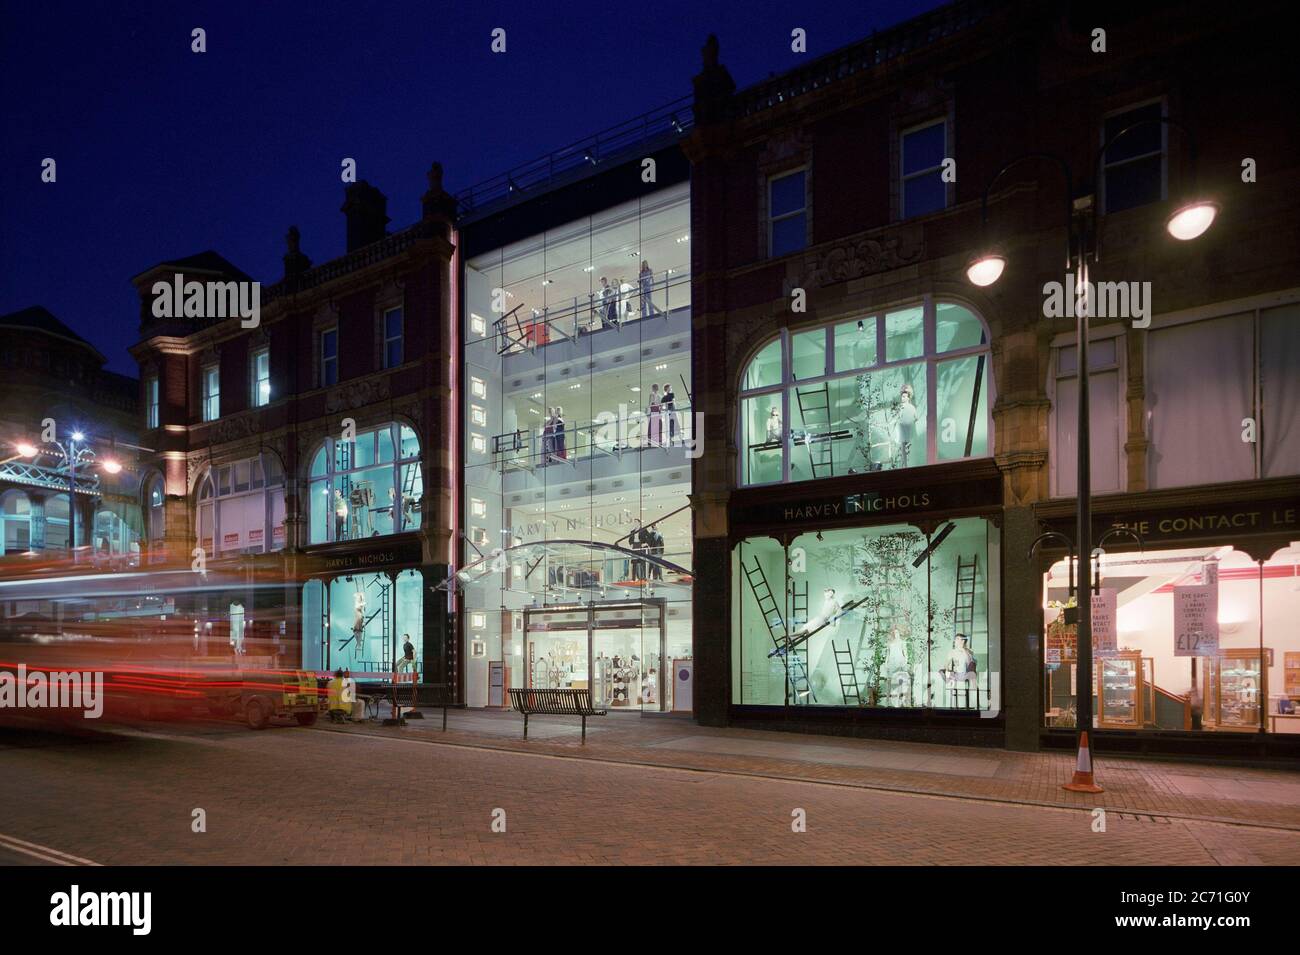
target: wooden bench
554 703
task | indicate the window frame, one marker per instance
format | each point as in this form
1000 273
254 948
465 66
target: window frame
930 356
331 474
255 393
1120 367
904 177
328 360
803 169
1102 177
152 409
212 500
386 340
210 391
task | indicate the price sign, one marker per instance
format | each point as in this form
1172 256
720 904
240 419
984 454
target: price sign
1196 620
1105 638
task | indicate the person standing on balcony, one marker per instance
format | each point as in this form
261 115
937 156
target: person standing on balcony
557 438
548 436
647 281
608 306
670 413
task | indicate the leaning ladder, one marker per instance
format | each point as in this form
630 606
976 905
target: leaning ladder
795 667
848 675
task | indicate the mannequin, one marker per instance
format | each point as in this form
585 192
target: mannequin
237 628
656 429
358 618
907 415
895 670
774 426
558 434
829 613
961 662
340 516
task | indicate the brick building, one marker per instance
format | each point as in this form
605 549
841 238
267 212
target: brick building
308 458
885 439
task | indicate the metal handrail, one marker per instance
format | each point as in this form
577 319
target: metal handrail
671 120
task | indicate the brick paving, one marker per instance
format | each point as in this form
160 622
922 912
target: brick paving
1199 790
362 795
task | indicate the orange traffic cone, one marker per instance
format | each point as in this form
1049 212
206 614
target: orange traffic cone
1082 782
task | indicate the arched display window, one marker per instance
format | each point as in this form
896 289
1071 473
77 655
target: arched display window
893 389
369 486
241 507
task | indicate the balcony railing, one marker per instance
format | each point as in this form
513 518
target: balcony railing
569 319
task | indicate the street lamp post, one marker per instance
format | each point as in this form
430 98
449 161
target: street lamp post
1190 220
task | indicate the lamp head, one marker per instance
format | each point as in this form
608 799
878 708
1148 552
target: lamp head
985 269
1191 220
78 436
112 466
26 449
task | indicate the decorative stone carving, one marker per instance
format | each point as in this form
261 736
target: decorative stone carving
856 258
224 430
357 394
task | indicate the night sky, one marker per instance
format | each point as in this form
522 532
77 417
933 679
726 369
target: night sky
163 152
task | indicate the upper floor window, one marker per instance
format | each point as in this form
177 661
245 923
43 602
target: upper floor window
260 376
921 155
393 338
329 357
241 507
1133 169
155 503
787 205
366 487
151 401
211 375
1105 399
893 389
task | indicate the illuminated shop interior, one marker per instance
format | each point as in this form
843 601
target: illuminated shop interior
1246 680
578 435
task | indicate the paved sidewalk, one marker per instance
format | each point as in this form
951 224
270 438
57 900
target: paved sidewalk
1262 797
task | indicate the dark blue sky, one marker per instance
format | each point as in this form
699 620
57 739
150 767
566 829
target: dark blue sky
162 152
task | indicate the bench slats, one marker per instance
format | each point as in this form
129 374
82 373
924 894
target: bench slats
557 702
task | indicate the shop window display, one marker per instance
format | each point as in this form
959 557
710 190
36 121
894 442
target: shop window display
844 411
359 622
359 489
868 617
1231 677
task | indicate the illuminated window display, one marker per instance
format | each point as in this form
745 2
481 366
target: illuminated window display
366 487
872 616
359 621
579 439
241 507
1168 668
898 389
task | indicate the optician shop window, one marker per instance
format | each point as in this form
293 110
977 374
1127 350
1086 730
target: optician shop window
893 389
368 486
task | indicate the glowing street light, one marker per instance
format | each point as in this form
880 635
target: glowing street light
1191 221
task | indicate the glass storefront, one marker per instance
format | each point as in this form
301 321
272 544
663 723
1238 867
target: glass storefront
360 622
896 389
369 486
579 438
869 616
1205 639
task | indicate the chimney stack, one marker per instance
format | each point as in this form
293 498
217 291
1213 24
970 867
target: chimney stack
295 263
366 209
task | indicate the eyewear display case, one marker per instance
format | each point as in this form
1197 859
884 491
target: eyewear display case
1121 690
1238 683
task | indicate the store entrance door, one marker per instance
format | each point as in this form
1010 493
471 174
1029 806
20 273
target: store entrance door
616 650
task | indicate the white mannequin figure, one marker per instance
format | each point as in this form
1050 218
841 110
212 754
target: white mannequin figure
960 666
358 613
237 628
774 426
829 612
907 415
897 674
340 515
